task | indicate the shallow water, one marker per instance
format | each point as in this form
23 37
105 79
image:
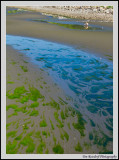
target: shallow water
73 23
86 78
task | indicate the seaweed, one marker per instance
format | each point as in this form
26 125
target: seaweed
11 134
53 104
80 125
34 113
35 104
34 94
18 92
11 147
60 125
57 149
41 147
52 126
28 141
12 106
78 147
24 68
62 115
18 137
43 123
44 133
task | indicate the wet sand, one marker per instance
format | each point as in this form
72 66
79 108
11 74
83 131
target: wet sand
20 123
98 42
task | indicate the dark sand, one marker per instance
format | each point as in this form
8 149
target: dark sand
95 42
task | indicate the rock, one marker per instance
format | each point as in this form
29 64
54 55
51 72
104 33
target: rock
95 10
101 9
107 11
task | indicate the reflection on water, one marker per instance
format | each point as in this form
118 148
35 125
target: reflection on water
84 77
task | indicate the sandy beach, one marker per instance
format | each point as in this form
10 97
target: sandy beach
40 118
100 43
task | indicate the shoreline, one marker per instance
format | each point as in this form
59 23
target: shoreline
100 43
99 13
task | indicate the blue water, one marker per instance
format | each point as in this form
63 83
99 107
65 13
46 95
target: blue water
87 78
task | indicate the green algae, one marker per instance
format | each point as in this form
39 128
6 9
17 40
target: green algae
54 139
87 145
34 113
41 147
44 133
12 106
18 137
31 148
53 104
41 87
43 123
28 141
68 124
61 136
52 126
13 114
62 102
25 127
44 82
8 125
11 147
60 124
11 134
73 112
64 135
38 134
62 115
78 147
24 99
58 149
18 92
13 63
24 68
74 26
12 11
18 74
69 26
10 82
35 94
35 104
47 151
80 125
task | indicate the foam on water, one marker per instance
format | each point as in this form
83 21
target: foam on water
86 78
